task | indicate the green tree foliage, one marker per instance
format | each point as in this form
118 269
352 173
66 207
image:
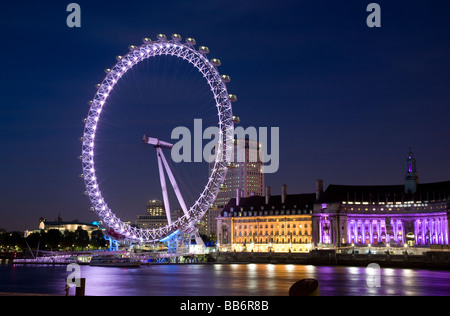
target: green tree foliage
97 239
53 240
81 238
12 240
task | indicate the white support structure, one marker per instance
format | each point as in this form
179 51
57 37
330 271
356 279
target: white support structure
174 184
199 240
162 164
162 178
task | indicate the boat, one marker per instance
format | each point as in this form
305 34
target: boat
120 262
62 259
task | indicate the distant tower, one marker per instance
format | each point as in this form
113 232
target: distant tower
246 173
155 208
244 178
411 178
42 223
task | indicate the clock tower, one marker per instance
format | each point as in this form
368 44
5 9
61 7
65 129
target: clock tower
411 178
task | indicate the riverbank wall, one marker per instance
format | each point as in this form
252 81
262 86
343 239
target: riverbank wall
429 260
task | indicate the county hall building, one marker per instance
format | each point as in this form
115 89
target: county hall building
413 214
267 223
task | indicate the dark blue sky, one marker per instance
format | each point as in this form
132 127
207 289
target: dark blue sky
348 99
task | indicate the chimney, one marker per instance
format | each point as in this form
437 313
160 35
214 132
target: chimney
267 194
238 196
319 189
283 193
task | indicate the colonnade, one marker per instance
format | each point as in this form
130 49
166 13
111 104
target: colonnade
427 230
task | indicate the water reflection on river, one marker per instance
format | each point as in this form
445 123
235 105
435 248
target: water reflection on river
223 279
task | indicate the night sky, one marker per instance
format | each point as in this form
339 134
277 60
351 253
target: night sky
348 99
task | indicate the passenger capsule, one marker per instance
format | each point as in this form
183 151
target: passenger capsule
81 138
119 58
97 85
235 119
216 62
84 120
232 97
90 103
223 187
85 193
190 41
161 37
176 37
81 176
132 47
203 49
146 40
231 165
107 70
225 78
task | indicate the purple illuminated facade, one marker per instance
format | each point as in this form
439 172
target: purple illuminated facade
412 214
414 222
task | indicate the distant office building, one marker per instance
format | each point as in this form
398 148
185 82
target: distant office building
63 226
245 174
155 216
244 177
156 208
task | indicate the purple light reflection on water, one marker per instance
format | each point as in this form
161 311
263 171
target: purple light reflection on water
223 279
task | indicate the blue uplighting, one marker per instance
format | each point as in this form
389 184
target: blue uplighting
174 234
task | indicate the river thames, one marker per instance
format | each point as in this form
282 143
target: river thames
223 280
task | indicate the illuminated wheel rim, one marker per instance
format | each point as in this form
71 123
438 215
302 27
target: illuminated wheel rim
208 68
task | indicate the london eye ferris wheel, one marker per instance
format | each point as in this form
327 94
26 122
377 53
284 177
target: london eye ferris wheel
208 69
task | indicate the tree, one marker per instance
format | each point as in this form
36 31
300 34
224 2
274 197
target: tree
12 241
52 238
97 239
34 240
81 238
68 240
